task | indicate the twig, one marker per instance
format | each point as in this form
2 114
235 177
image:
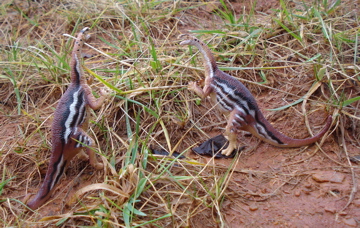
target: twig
354 187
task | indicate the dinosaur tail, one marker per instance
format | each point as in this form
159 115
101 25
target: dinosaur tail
55 170
269 134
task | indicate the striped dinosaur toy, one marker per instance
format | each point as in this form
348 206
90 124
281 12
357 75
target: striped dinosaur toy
233 98
69 137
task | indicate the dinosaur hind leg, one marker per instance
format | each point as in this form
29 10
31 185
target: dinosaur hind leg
85 141
234 123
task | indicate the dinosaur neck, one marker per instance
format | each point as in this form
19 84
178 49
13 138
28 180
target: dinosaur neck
209 60
77 73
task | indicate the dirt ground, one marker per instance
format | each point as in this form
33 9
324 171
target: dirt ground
269 187
280 187
276 187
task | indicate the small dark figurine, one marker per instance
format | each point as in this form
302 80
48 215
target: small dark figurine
213 146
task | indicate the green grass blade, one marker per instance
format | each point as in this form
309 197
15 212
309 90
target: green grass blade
349 101
323 25
333 7
98 77
288 30
3 183
150 111
288 105
356 48
108 43
154 220
16 89
207 31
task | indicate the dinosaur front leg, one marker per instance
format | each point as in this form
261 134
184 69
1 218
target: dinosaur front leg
202 93
94 103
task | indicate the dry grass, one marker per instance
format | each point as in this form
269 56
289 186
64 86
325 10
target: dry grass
296 52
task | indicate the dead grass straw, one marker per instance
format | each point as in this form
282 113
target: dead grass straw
303 53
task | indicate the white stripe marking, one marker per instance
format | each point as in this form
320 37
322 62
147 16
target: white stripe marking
239 117
207 60
231 92
58 170
262 131
81 112
70 118
78 67
223 99
80 140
